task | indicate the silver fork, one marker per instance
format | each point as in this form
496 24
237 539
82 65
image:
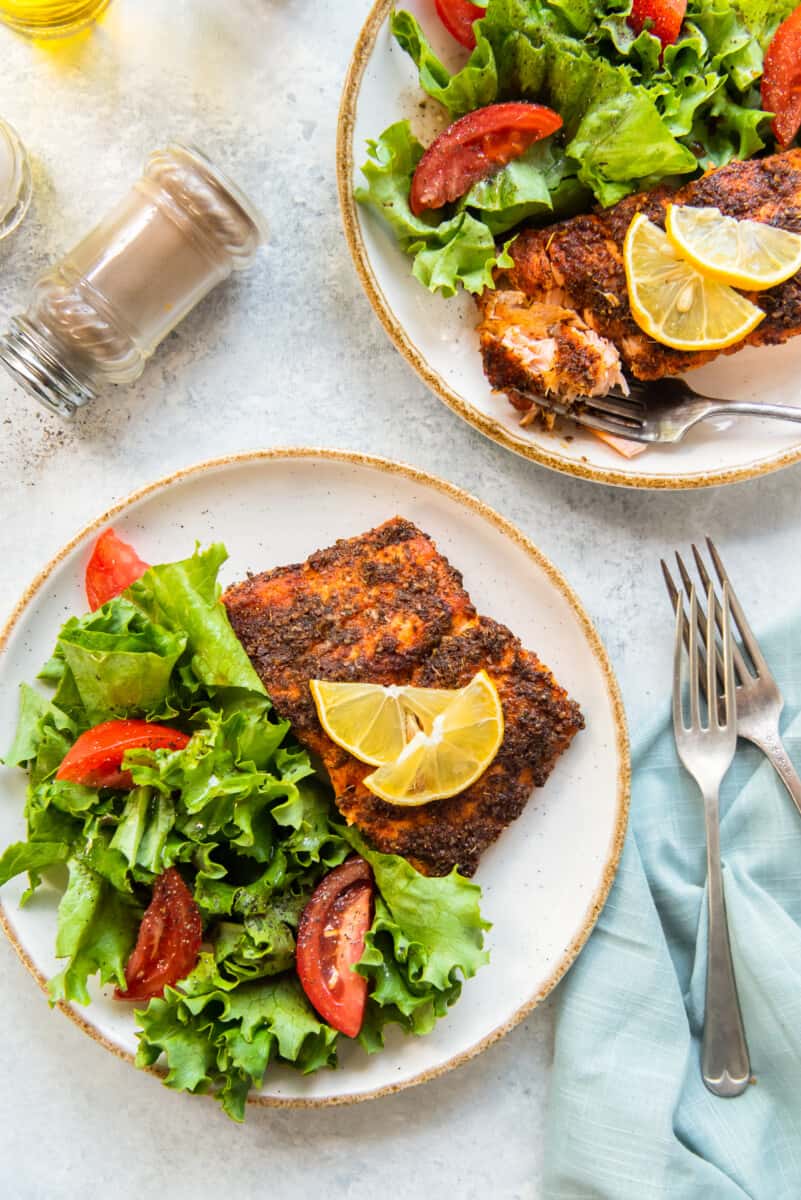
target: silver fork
707 752
759 701
661 411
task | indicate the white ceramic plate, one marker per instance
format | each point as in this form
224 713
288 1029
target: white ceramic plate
438 336
544 881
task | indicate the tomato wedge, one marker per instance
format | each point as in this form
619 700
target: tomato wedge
458 16
664 17
114 565
96 757
781 81
331 939
473 147
168 943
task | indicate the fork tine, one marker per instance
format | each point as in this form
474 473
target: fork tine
728 645
695 697
712 662
675 594
673 591
638 389
684 573
728 660
614 425
739 662
592 417
678 654
749 641
620 405
701 622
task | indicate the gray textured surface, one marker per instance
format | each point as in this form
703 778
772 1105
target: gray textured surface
289 354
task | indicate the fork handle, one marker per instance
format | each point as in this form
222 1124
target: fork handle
773 749
725 1065
744 408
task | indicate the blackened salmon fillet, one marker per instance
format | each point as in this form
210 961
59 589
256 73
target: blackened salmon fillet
560 319
386 607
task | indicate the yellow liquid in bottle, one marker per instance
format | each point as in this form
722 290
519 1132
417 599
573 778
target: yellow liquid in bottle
50 18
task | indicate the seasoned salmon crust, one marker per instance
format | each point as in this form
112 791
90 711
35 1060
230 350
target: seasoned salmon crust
388 608
560 321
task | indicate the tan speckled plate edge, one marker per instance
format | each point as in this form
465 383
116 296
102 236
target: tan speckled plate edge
559 582
397 334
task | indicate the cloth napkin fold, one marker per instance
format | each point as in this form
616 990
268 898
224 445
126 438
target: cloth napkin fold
629 1117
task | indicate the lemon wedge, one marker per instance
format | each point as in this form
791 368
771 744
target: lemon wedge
463 740
745 254
375 723
674 302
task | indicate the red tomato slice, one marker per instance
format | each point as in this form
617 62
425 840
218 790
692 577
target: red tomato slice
96 757
781 81
168 943
473 147
665 16
114 565
458 16
331 939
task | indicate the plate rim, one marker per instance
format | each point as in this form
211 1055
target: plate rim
362 51
557 579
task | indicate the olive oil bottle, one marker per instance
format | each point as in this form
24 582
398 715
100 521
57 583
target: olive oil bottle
50 18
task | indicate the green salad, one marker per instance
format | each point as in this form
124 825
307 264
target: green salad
634 114
239 813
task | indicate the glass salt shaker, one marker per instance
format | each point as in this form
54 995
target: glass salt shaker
15 180
98 314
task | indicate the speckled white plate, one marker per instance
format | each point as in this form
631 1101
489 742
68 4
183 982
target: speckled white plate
438 336
546 878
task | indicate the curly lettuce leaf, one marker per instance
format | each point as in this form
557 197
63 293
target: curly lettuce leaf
624 141
541 184
475 85
221 1039
458 251
31 857
439 916
763 17
264 943
44 735
396 996
115 663
184 597
97 928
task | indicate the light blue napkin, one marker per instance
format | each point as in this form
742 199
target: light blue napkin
629 1117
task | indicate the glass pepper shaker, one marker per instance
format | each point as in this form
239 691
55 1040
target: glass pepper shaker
98 314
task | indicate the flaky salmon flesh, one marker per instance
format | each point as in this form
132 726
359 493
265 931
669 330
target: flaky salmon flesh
559 321
388 608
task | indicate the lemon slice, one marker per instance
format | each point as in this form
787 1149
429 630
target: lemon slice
746 254
463 740
375 723
674 302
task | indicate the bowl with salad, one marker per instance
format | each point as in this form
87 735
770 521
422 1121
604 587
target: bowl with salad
471 134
